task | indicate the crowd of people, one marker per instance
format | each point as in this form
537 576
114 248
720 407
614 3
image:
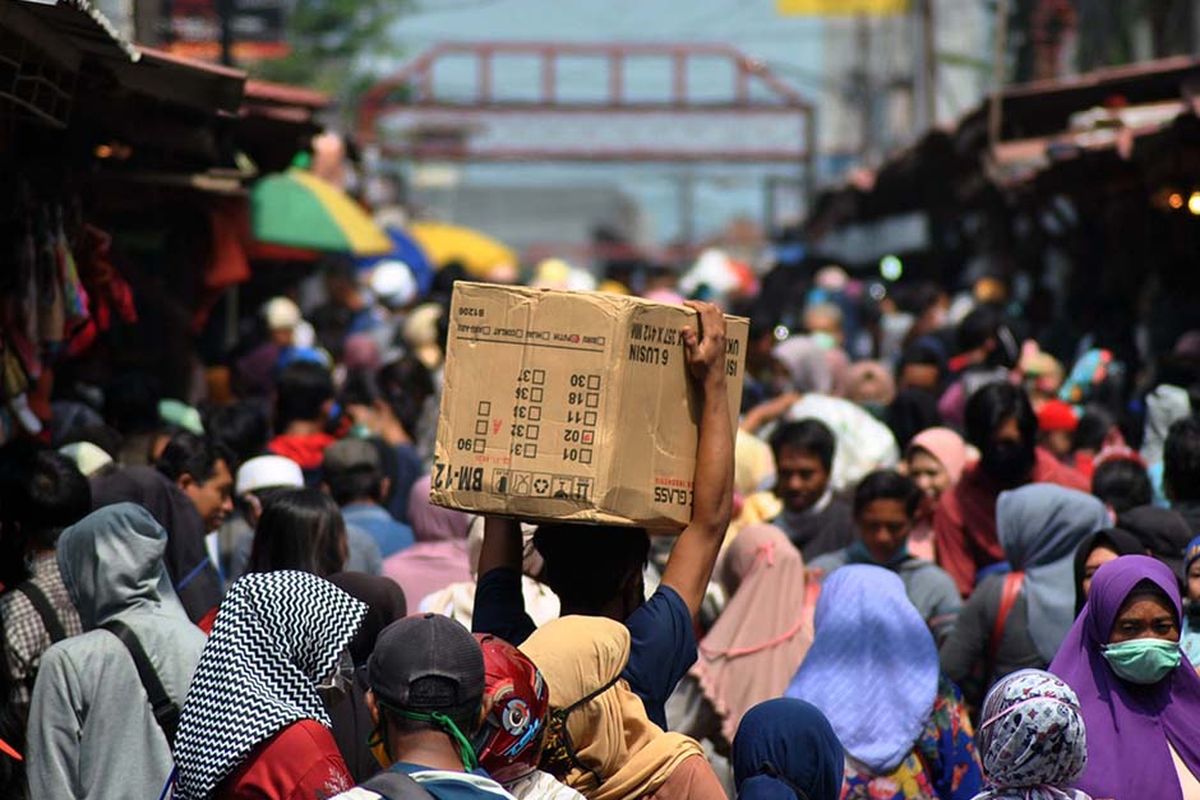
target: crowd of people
927 561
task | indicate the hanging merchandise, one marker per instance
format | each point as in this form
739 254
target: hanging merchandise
107 291
51 303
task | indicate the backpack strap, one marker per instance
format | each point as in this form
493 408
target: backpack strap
395 785
166 711
45 610
1009 593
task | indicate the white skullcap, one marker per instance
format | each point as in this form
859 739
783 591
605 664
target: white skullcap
90 458
393 283
281 314
268 472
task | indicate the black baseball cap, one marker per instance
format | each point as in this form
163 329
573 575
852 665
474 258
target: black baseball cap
426 662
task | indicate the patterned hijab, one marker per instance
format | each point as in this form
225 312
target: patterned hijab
1032 739
872 669
277 635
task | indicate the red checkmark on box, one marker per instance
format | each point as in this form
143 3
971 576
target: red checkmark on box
587 437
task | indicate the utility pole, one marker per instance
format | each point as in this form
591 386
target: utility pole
862 29
929 62
225 10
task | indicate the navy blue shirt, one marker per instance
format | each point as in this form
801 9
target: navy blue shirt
405 470
662 647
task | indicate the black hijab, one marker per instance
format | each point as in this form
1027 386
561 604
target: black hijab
1161 531
913 411
385 604
352 724
1123 543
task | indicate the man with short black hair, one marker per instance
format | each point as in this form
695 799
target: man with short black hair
303 402
354 476
203 470
48 493
885 505
426 678
814 519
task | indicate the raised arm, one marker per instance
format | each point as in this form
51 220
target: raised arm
499 603
502 546
691 564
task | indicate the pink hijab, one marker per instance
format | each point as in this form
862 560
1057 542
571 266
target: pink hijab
760 639
440 557
946 446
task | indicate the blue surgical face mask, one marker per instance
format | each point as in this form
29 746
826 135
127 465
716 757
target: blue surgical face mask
1143 661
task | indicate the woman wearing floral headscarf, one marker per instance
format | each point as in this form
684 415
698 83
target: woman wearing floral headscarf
1032 739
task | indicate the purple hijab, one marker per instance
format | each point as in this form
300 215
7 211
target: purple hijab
1128 726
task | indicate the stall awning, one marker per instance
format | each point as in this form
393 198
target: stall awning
83 25
198 85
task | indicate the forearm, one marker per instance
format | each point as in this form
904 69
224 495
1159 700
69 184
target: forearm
502 545
712 498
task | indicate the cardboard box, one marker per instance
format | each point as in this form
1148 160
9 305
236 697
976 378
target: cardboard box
571 406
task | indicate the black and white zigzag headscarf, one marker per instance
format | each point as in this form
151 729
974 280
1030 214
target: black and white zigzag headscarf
277 635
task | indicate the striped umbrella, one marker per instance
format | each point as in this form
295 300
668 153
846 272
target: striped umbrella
299 210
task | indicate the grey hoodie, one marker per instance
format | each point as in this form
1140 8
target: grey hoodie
92 733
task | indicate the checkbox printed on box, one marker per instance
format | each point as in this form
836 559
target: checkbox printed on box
479 446
589 418
481 427
531 451
593 400
535 413
485 408
585 456
535 395
587 437
539 377
593 383
532 431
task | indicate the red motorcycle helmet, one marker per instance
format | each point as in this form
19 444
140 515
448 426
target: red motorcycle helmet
516 703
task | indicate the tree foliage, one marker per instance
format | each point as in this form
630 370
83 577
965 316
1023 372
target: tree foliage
334 42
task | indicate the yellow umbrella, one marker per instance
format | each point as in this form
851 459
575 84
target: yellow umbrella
477 252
